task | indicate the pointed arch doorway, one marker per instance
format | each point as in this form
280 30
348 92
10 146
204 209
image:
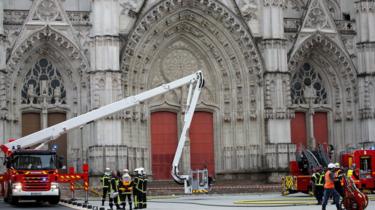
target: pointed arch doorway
164 139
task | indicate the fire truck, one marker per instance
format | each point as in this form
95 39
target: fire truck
360 160
32 173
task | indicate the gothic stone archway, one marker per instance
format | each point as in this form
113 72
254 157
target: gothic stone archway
199 34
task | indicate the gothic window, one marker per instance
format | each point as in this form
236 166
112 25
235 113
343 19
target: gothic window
306 78
43 84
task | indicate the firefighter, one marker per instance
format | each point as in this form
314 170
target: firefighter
105 180
116 176
350 172
142 187
329 188
139 190
125 189
337 179
136 192
318 182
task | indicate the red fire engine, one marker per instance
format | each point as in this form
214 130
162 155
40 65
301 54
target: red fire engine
32 174
363 164
361 161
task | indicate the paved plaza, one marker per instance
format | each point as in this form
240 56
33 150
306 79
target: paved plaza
234 201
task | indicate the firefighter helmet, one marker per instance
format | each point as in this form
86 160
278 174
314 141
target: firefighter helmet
107 171
331 165
140 171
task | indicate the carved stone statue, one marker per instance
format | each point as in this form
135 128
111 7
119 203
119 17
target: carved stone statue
43 88
57 94
30 93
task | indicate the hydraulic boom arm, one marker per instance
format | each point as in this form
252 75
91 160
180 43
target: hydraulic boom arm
190 104
55 131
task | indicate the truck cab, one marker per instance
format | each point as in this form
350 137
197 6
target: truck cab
32 175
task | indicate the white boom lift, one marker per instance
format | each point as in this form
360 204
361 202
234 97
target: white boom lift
195 82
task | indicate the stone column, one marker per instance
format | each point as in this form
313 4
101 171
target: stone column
277 85
4 112
3 84
277 78
365 10
105 76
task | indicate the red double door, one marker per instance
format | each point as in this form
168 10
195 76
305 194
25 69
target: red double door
299 129
31 122
164 138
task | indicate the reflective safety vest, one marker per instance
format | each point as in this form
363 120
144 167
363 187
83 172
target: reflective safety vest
350 173
337 175
114 184
328 180
318 179
105 180
126 185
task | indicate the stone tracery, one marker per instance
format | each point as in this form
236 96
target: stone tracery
345 71
33 91
162 23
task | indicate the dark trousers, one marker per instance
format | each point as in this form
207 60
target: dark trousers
123 197
339 189
136 199
114 200
142 200
105 192
318 193
336 198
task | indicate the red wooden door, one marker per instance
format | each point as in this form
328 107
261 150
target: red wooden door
163 143
298 130
321 128
202 142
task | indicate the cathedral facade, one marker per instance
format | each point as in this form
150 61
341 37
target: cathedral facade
281 75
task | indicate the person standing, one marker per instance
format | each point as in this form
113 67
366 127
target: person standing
329 188
125 189
114 190
136 192
105 181
143 189
337 180
318 182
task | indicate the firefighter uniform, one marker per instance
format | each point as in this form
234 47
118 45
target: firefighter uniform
114 190
142 188
125 190
318 183
136 192
105 181
338 180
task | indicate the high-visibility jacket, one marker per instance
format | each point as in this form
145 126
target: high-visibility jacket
337 175
328 178
114 184
349 174
318 179
141 184
105 180
126 185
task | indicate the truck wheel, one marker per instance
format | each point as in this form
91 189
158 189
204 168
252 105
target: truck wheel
6 199
54 201
13 200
